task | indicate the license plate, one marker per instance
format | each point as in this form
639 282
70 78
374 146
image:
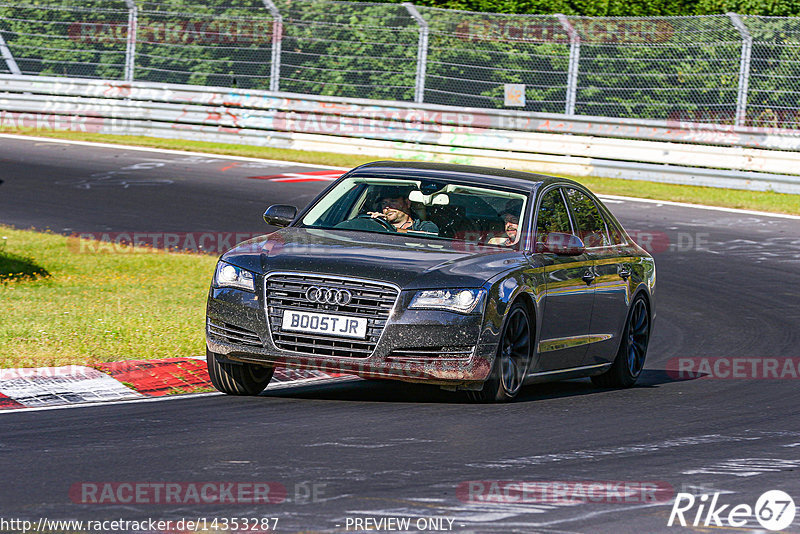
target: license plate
323 323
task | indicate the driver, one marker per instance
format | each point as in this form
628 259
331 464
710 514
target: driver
510 215
396 209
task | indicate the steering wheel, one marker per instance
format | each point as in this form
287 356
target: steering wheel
389 227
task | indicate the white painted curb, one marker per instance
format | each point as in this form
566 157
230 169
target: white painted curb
48 386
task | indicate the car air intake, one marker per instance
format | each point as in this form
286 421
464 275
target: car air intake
235 334
432 354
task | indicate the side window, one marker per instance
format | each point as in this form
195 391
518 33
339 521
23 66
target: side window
591 227
614 233
552 215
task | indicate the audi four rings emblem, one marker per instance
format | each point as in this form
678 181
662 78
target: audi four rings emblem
328 295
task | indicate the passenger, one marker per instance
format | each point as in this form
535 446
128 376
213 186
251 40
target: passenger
396 209
510 215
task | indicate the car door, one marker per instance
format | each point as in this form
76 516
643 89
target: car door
568 297
611 272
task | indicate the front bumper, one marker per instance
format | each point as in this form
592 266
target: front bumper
429 346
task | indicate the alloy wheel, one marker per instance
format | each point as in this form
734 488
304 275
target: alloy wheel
638 334
515 352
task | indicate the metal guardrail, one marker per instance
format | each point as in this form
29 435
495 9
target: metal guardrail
739 70
739 157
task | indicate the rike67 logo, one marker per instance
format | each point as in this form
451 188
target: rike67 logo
774 510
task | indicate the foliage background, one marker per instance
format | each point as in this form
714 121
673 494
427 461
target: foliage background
677 68
625 8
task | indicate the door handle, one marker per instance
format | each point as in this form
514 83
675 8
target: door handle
624 272
588 277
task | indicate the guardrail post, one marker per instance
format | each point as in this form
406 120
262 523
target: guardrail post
574 60
744 69
277 37
130 49
422 53
6 53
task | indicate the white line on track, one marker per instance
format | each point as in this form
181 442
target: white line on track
243 158
703 206
96 404
165 151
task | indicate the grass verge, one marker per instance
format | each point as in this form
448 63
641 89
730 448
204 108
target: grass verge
97 307
712 196
15 267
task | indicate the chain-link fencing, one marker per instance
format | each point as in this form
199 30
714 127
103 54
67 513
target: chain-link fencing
676 68
471 56
225 44
722 69
81 40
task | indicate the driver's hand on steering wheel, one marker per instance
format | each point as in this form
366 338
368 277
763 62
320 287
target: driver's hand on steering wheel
376 214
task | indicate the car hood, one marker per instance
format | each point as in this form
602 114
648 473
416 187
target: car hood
409 262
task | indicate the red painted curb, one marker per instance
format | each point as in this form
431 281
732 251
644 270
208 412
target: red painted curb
46 386
156 378
7 403
293 177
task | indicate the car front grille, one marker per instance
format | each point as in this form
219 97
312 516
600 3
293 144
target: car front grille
371 300
235 334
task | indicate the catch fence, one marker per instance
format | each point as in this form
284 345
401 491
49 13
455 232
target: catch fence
735 70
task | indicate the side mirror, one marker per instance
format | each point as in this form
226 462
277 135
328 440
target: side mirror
561 243
280 215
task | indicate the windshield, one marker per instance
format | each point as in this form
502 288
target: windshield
435 209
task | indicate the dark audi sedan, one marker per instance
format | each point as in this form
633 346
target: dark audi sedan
470 278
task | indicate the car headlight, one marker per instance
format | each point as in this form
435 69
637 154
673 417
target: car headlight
457 300
228 275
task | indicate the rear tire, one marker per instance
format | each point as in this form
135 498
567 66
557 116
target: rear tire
237 379
512 360
632 351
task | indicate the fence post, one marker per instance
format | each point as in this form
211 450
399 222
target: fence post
574 60
422 53
6 54
277 37
130 49
744 69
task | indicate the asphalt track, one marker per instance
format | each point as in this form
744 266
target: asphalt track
728 286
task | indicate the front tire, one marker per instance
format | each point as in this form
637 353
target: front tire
237 379
630 358
512 360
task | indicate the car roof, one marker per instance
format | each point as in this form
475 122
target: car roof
466 173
